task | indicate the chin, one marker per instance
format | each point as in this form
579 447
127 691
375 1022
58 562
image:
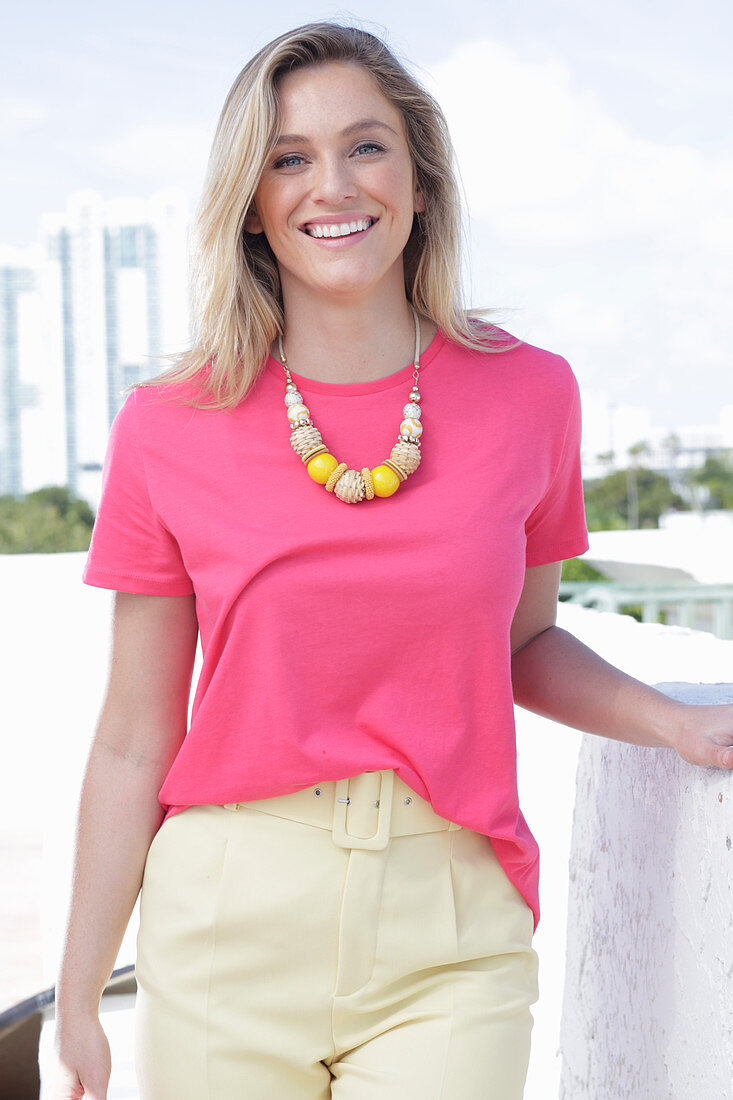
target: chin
341 288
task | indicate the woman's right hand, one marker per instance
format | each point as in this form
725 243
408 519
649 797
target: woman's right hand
83 1061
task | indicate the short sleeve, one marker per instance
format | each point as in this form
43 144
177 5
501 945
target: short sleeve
556 529
131 549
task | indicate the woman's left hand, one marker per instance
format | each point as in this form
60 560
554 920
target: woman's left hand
704 735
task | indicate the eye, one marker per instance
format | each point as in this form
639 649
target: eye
286 162
370 145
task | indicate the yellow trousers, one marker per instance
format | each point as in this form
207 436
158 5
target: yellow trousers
342 941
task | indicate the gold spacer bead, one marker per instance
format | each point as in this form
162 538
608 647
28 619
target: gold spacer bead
313 452
401 474
340 469
366 473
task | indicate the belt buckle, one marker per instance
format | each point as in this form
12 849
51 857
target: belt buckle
380 838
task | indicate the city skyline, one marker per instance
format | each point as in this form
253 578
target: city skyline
88 310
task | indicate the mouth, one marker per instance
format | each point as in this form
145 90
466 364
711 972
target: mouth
355 228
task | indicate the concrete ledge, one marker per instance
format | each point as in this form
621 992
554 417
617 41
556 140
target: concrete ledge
648 1001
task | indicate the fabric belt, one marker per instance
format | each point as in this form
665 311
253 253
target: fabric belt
362 811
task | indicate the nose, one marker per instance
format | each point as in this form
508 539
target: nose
333 181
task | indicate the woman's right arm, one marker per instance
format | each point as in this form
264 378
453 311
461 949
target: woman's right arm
140 729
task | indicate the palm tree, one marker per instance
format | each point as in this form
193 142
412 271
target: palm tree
632 488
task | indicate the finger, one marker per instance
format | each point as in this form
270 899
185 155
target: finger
726 757
66 1086
97 1092
96 1088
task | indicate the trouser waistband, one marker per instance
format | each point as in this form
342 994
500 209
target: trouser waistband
362 811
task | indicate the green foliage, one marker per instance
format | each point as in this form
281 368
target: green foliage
575 569
716 476
637 449
607 499
48 521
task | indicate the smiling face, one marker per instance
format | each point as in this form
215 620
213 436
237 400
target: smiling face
337 195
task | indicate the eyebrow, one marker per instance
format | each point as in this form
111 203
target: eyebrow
362 124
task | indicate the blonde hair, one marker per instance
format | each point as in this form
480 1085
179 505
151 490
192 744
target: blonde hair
237 299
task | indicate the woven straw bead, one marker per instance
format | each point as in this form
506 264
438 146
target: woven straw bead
407 455
305 438
350 487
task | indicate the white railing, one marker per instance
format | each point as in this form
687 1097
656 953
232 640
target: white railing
699 606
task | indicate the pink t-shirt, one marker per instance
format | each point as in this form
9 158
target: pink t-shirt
339 638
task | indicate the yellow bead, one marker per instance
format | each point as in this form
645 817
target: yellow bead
385 481
321 467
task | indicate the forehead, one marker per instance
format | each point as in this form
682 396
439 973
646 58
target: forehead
331 94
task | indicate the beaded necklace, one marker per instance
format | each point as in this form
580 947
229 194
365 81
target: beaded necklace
352 486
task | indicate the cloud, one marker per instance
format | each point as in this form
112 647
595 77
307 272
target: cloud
18 115
160 149
615 248
545 164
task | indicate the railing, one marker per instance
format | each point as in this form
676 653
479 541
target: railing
699 606
20 1033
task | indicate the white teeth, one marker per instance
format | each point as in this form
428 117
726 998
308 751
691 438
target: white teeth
342 230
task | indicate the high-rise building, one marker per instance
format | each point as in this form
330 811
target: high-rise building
90 309
32 420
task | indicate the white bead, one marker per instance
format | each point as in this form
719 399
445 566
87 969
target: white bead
410 429
293 398
298 414
412 410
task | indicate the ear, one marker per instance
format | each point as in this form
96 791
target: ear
419 205
252 223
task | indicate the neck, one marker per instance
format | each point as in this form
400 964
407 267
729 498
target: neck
350 341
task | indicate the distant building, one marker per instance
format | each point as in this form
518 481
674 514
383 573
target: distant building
14 280
88 310
32 417
610 430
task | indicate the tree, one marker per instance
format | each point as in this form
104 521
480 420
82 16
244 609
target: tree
715 476
672 444
48 521
632 488
576 569
607 500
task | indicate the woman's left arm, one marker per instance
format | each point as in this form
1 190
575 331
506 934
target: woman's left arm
555 675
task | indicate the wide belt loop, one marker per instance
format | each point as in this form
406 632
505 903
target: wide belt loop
382 804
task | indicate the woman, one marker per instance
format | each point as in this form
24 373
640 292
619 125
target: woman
343 893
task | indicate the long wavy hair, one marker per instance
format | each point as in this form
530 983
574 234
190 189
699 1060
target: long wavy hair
236 293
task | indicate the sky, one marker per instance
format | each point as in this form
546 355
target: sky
594 143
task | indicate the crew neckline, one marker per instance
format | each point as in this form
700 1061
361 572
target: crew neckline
356 389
